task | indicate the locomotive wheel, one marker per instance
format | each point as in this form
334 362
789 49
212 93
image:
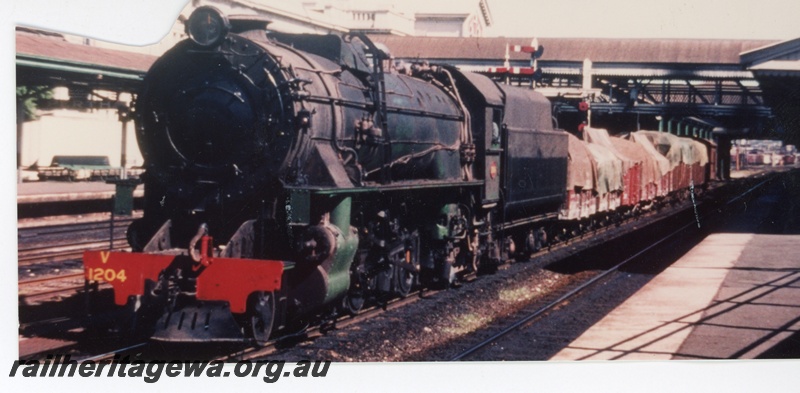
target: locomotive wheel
447 273
532 244
354 299
261 315
403 278
403 281
352 303
488 265
541 238
508 250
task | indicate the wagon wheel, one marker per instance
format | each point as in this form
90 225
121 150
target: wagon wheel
261 315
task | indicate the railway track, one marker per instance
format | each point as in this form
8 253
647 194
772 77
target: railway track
70 228
73 251
150 350
63 242
44 286
50 277
341 323
592 281
155 350
315 332
561 300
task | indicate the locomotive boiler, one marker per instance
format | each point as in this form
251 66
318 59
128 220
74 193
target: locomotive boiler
291 178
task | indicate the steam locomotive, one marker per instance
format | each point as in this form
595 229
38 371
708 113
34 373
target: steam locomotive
293 177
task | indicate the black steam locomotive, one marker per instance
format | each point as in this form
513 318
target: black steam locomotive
291 177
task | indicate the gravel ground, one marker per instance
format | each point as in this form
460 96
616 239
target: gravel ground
413 332
433 328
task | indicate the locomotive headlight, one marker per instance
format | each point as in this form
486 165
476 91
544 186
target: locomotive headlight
207 26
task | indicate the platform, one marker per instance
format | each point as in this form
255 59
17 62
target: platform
51 191
733 296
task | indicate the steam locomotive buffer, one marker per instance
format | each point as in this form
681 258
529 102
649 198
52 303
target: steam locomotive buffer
291 177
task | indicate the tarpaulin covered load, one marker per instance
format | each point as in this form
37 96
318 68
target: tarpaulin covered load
600 136
691 153
662 162
580 201
710 149
688 158
632 162
609 169
677 149
701 169
701 152
666 144
650 172
581 173
663 165
597 135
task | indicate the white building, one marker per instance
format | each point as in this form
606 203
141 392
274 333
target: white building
404 18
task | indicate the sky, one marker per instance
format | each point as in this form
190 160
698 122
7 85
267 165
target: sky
145 21
737 19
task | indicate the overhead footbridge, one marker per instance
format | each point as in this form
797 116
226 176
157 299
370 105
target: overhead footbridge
684 86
